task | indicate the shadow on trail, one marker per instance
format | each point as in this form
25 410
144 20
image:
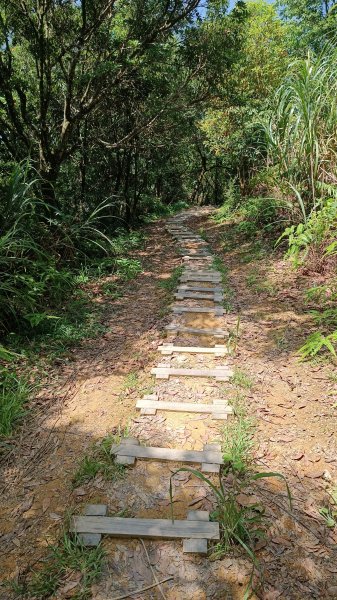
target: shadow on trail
97 397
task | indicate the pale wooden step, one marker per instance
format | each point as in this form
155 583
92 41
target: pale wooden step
200 273
210 458
216 297
195 527
92 510
204 256
220 333
199 278
187 242
198 288
192 545
150 404
193 270
217 311
218 350
186 237
220 373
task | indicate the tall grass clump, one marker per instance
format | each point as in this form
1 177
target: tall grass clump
301 141
301 135
39 248
14 394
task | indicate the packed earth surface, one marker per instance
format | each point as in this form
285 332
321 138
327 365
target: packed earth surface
93 394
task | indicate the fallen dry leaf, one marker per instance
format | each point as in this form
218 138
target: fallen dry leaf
282 541
297 456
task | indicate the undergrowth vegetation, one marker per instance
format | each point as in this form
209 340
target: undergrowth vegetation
289 201
52 269
99 460
69 567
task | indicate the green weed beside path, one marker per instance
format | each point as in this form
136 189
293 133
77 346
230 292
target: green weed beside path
69 568
14 394
99 460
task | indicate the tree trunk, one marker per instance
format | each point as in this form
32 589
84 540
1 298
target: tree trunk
48 183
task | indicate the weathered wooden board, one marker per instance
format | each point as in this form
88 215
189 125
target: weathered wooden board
204 256
93 510
201 273
193 545
186 237
127 460
194 273
211 457
199 278
218 311
217 411
169 349
198 288
216 297
146 528
180 328
220 373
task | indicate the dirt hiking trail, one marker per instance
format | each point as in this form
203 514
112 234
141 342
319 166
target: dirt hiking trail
95 395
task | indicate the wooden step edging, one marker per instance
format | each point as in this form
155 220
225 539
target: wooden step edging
217 350
219 333
195 530
200 278
217 311
129 450
189 257
219 373
216 297
188 287
218 410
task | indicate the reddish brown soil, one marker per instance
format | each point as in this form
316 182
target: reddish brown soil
292 403
80 404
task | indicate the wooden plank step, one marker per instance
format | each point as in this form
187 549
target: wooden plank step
217 410
216 297
204 273
203 278
93 510
193 545
218 350
198 288
187 237
220 373
195 527
200 273
190 240
194 330
189 257
197 256
218 311
211 456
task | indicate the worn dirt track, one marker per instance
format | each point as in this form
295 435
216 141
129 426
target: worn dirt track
296 424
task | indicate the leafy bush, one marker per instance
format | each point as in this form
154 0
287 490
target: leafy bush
325 317
315 235
128 268
230 203
36 244
45 253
